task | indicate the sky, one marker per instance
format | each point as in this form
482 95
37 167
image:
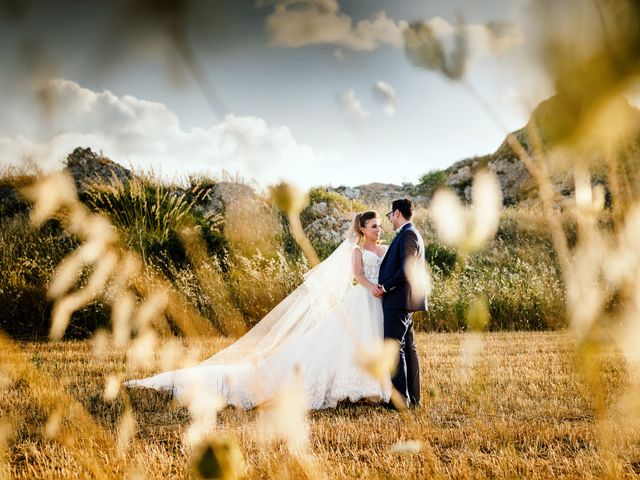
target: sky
315 92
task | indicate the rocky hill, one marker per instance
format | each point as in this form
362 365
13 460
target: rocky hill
88 168
550 122
381 193
517 184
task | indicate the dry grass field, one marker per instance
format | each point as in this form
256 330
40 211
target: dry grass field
516 408
147 260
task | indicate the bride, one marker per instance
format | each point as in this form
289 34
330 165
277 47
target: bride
314 335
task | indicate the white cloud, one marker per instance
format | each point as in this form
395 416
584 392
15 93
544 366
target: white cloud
149 135
352 106
296 23
387 96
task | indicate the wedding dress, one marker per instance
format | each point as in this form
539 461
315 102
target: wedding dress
313 336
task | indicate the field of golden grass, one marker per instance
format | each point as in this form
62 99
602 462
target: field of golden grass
499 405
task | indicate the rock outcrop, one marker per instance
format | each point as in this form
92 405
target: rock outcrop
517 183
223 195
329 229
87 167
381 194
518 186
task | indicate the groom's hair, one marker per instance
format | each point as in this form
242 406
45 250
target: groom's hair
405 206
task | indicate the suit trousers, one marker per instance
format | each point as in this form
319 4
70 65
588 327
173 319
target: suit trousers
398 325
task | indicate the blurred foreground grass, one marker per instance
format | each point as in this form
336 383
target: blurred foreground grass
516 408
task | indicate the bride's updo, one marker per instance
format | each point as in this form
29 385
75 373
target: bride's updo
360 221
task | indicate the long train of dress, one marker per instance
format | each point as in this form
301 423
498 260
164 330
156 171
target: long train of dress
323 358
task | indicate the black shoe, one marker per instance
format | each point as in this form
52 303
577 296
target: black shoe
389 406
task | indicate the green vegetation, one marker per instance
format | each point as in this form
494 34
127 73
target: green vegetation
321 194
334 201
517 272
150 216
151 219
28 258
431 181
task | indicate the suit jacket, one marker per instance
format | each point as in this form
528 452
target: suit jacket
404 290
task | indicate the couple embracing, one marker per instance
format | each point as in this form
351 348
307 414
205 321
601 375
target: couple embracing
315 335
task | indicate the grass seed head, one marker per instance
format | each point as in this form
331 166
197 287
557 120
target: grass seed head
284 418
380 362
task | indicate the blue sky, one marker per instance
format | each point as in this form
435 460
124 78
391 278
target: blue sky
299 104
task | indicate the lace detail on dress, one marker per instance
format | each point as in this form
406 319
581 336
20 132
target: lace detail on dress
371 264
331 387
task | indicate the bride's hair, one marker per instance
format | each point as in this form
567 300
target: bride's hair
360 221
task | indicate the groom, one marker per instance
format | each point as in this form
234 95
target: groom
402 293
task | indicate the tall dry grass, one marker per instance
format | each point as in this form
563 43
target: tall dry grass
517 409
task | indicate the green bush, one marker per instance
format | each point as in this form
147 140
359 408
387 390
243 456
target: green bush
12 202
148 215
151 215
28 258
440 258
291 249
431 181
321 194
517 274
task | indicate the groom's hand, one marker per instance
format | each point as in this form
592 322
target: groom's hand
378 291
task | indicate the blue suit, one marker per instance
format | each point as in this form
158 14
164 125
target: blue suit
404 295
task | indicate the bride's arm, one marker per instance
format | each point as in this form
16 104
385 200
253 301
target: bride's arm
358 270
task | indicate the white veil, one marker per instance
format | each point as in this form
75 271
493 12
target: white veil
323 289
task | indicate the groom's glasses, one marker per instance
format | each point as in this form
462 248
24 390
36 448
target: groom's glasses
388 215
